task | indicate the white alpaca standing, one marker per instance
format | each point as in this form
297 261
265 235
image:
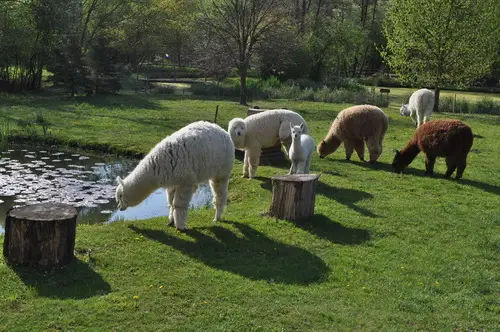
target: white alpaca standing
262 130
301 150
196 153
420 106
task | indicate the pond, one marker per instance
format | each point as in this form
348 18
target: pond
30 175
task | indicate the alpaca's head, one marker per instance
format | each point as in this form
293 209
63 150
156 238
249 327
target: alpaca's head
121 195
399 162
237 130
296 131
404 110
327 146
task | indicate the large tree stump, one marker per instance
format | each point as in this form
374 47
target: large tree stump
294 196
40 235
272 155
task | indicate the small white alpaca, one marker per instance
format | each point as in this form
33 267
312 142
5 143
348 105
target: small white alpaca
301 150
420 106
198 152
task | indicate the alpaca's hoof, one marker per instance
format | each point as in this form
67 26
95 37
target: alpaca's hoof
372 162
181 230
244 176
170 223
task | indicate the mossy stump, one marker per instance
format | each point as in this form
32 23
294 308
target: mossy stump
40 235
294 196
272 155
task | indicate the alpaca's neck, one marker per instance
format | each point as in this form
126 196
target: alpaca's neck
410 152
238 141
296 143
141 182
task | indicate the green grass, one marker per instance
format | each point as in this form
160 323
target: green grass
384 252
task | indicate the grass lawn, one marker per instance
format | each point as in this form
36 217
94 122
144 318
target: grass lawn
383 252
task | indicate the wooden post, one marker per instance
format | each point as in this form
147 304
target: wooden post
294 196
41 235
272 155
216 113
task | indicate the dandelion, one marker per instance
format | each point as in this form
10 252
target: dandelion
136 297
137 238
160 287
437 282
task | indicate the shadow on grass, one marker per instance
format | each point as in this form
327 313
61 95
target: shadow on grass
421 173
344 196
253 255
76 280
325 228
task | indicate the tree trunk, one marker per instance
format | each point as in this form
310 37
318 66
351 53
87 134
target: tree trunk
243 84
294 196
40 235
436 98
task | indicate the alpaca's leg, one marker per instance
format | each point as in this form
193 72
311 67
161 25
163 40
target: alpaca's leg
246 164
349 148
429 164
427 116
254 159
413 117
182 198
301 167
308 164
373 146
359 146
293 168
419 119
461 168
170 197
219 190
451 165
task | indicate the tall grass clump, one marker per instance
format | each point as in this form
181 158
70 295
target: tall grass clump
482 106
5 133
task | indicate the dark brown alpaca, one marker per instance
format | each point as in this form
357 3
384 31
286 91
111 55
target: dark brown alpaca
440 138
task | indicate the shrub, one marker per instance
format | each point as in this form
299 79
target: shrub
483 106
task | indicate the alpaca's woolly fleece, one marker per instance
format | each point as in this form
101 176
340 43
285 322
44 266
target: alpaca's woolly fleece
196 153
419 107
440 138
354 126
301 151
262 130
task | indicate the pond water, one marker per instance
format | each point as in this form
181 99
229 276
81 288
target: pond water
30 175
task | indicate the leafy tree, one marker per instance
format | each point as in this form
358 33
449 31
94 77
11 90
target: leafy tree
240 25
439 42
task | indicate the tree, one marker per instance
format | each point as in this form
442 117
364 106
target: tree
439 42
239 25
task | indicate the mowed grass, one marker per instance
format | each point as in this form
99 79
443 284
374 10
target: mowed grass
383 252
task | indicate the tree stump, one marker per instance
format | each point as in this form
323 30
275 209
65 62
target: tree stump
41 235
294 196
272 155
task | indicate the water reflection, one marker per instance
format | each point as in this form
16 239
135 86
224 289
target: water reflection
30 175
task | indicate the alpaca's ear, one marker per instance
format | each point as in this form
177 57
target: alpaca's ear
302 126
119 181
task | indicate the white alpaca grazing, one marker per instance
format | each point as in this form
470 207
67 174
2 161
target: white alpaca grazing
420 106
262 130
198 152
301 150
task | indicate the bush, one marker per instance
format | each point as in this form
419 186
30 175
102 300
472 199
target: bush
483 106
